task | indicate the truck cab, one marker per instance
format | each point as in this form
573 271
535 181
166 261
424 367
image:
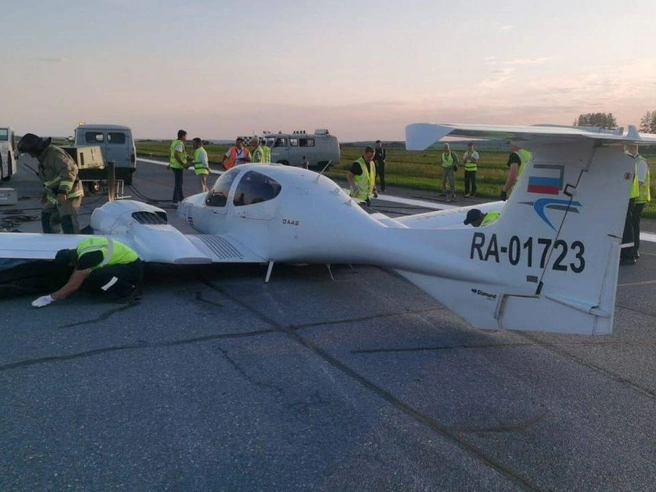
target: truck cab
116 144
318 148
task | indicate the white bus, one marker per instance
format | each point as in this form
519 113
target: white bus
8 165
318 148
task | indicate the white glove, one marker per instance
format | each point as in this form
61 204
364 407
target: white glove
43 301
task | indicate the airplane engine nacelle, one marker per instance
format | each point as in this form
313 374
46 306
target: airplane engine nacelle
116 217
146 229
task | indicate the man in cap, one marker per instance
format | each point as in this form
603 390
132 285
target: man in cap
101 265
62 190
236 155
476 218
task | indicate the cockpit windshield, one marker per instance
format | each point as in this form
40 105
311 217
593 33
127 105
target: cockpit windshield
218 195
255 187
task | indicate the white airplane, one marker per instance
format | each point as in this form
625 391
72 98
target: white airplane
549 263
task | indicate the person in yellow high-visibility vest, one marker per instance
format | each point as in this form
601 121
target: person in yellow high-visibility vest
177 164
449 165
639 195
362 177
201 164
517 162
101 265
470 160
476 218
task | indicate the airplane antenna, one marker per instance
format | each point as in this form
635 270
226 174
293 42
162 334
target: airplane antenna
324 168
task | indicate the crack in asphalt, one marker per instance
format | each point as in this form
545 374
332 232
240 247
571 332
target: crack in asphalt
248 378
470 346
141 344
590 365
399 404
360 319
506 427
103 316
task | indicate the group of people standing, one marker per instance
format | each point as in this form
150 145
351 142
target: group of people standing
234 156
449 164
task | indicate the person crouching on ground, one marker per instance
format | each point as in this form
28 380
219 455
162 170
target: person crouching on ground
102 266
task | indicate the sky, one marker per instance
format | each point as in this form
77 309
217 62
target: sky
362 69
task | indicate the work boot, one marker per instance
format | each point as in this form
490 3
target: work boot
47 223
69 224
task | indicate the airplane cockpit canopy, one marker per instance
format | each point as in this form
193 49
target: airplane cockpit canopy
218 195
253 187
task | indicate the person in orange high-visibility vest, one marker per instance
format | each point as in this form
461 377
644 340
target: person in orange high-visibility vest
236 155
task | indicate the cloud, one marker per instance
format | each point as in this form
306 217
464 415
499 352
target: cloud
528 61
500 76
48 59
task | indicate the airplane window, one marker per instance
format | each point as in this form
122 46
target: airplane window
254 188
116 137
218 195
94 137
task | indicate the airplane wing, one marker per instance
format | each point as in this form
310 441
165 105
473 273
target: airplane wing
163 246
420 136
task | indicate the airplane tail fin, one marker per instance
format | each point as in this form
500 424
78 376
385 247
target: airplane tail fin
550 262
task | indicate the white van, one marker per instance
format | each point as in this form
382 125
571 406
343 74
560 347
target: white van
319 148
8 164
116 144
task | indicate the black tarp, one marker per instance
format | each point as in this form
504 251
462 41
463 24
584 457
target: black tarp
31 277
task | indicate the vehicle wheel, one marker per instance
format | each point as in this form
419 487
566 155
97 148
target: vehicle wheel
127 179
91 187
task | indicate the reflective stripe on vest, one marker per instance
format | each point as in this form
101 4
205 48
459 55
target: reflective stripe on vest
364 182
447 162
490 217
232 158
645 189
173 163
258 154
470 166
114 252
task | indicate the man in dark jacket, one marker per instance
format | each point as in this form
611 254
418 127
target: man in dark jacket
380 154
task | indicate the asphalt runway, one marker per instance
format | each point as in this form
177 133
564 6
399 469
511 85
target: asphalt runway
218 381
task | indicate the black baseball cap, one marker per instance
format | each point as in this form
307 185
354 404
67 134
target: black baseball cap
473 215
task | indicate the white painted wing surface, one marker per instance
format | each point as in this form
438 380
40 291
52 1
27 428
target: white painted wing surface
420 136
35 246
